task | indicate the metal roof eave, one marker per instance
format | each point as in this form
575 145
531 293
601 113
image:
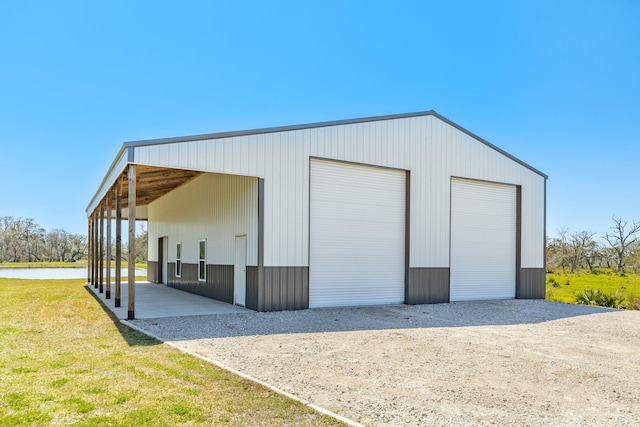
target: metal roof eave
487 143
218 135
109 179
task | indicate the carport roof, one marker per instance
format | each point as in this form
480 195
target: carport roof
151 183
154 182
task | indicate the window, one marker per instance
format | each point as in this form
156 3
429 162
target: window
178 259
202 265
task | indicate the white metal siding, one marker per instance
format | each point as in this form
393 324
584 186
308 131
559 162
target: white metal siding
431 149
483 241
357 235
214 207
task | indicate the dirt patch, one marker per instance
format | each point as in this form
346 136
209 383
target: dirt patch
482 363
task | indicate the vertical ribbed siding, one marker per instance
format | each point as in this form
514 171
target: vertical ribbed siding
220 280
428 286
252 288
532 283
213 207
219 283
431 149
285 288
152 271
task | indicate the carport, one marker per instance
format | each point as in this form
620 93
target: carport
156 301
127 188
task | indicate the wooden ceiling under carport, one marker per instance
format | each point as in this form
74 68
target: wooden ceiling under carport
153 183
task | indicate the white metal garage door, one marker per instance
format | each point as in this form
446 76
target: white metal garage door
357 235
483 241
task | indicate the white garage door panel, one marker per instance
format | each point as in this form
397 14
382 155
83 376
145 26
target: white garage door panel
357 231
483 241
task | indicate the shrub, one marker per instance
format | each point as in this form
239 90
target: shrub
597 297
611 301
587 297
633 302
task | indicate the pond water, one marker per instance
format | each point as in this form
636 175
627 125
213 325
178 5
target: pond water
56 273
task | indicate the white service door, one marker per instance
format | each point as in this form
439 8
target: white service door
165 260
483 241
240 272
357 235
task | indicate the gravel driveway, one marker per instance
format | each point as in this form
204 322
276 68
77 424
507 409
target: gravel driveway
516 362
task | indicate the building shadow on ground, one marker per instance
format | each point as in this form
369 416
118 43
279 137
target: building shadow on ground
130 335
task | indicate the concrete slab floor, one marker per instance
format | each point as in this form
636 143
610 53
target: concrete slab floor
156 300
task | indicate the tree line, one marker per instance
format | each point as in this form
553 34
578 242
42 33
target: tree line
24 240
619 248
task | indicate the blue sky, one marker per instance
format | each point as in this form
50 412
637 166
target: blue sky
555 83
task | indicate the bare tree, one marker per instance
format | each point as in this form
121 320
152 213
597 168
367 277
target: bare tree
574 250
11 237
575 253
4 224
59 242
562 243
78 247
621 239
558 249
32 234
608 257
585 249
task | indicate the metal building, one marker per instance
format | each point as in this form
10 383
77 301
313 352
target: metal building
407 208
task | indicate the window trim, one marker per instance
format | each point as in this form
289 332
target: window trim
202 262
178 259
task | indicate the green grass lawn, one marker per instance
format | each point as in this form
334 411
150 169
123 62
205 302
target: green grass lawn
567 285
65 361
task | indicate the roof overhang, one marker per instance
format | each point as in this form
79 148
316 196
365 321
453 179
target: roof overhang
151 184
